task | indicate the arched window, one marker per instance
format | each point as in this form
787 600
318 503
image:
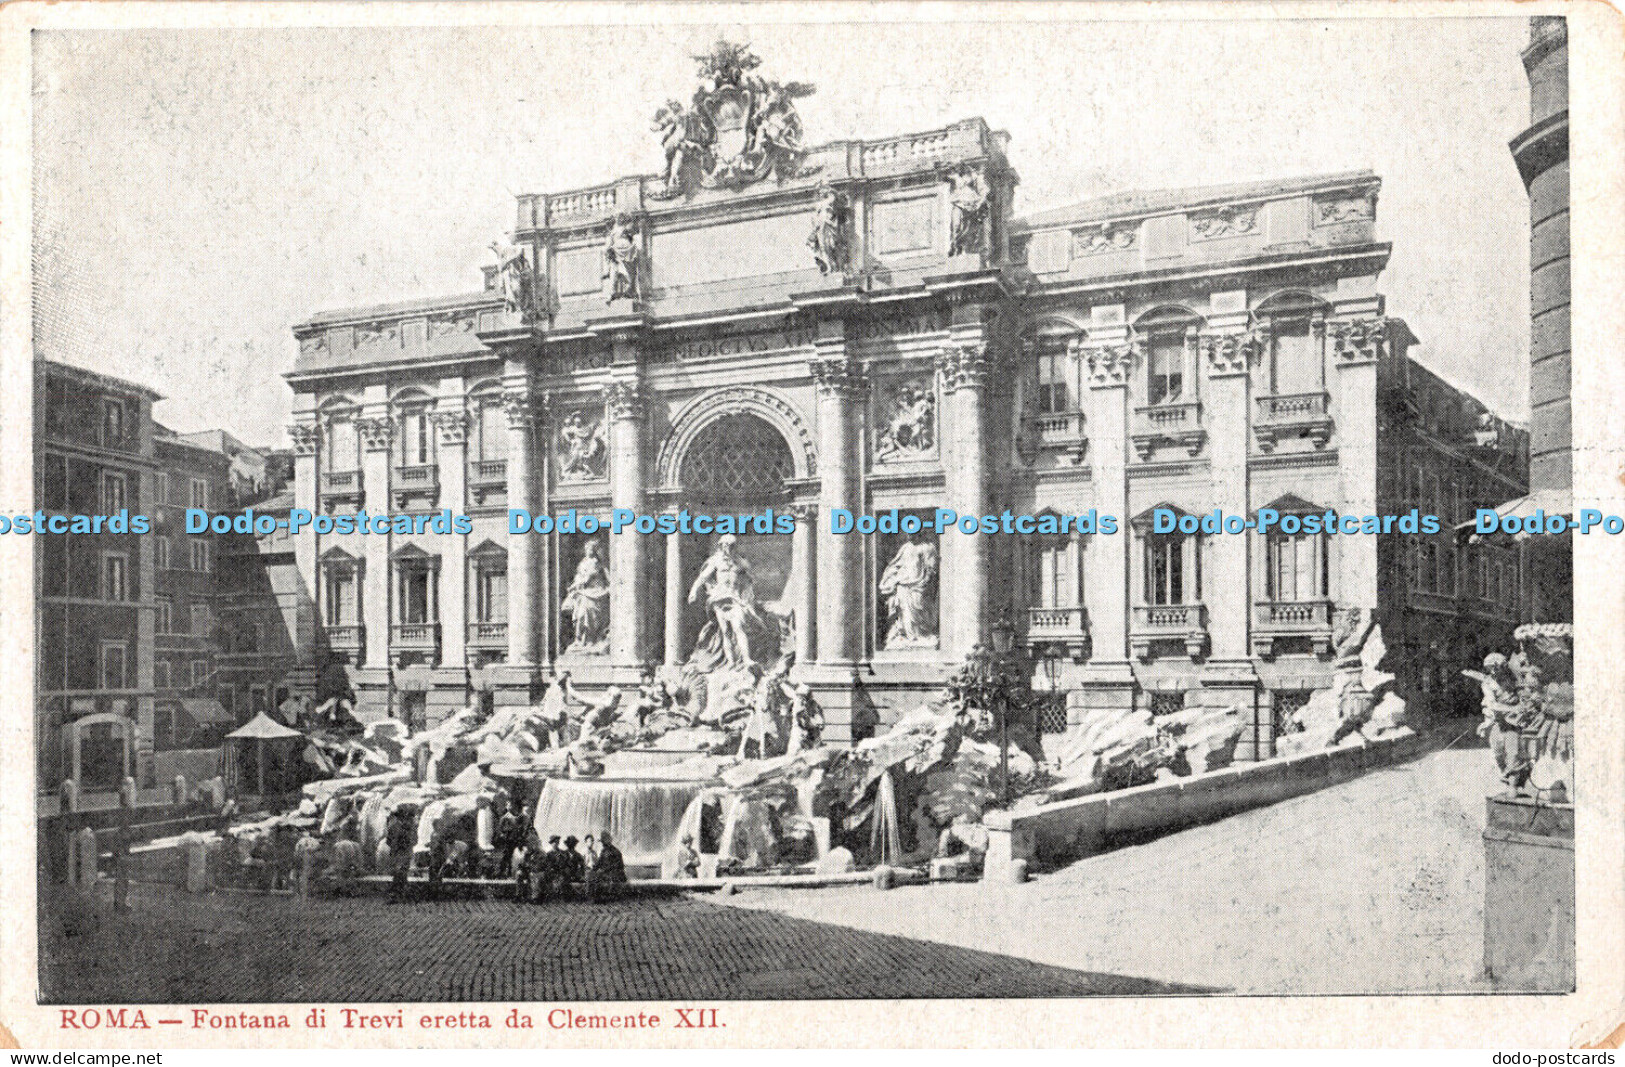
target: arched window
1294 363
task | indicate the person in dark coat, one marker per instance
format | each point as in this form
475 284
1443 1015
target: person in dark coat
574 865
400 834
607 879
510 834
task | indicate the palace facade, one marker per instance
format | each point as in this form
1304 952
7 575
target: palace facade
870 326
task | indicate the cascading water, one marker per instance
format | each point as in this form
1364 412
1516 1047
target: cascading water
641 814
886 836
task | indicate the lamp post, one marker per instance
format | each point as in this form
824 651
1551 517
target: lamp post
1004 633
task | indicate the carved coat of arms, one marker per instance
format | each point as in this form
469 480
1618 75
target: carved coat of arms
740 127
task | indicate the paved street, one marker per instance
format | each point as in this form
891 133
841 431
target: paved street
1372 886
1376 885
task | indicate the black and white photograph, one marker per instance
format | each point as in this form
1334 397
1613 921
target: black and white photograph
643 513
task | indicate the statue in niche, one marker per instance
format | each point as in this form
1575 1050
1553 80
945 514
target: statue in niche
908 588
968 197
738 633
516 279
621 256
581 440
910 430
828 238
586 603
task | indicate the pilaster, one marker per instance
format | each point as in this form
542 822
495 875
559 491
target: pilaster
1357 347
377 434
624 401
525 412
451 422
305 437
841 387
963 366
1107 356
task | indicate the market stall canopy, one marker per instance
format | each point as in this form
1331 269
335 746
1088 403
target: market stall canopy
264 728
1544 501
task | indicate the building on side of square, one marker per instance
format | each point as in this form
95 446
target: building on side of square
870 327
94 592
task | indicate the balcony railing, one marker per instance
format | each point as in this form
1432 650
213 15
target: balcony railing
488 472
1169 622
488 635
1176 424
420 481
1064 627
1057 430
346 638
342 484
1275 619
415 635
1292 415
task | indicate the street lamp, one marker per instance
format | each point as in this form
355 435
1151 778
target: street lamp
1004 633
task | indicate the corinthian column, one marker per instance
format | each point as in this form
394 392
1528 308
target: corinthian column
377 434
964 594
524 411
624 400
840 557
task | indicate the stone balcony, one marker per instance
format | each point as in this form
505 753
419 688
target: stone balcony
1277 619
1186 623
341 486
487 477
416 484
488 635
1292 415
1172 424
352 639
1060 431
1066 627
420 638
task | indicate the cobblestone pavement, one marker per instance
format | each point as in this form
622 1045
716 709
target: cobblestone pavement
236 947
1372 886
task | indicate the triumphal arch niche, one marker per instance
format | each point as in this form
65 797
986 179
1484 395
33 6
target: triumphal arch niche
768 325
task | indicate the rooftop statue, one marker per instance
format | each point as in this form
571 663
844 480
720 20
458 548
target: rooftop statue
740 127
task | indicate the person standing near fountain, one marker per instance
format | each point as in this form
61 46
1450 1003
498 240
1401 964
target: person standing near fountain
573 866
607 878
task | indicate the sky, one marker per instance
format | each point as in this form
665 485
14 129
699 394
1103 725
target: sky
197 192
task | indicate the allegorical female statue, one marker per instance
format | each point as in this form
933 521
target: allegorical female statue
586 602
908 587
621 255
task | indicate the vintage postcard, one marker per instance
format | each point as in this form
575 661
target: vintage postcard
812 524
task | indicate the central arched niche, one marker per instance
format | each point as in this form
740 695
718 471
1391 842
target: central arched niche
737 464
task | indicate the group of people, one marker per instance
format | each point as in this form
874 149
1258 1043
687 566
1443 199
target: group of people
514 850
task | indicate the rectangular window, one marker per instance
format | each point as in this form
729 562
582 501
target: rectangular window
200 493
415 604
491 596
113 493
200 673
339 603
200 620
166 616
1167 370
160 552
114 657
160 487
1294 366
113 428
115 576
160 674
1055 574
416 442
493 429
343 451
1168 579
1053 395
1296 567
200 555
